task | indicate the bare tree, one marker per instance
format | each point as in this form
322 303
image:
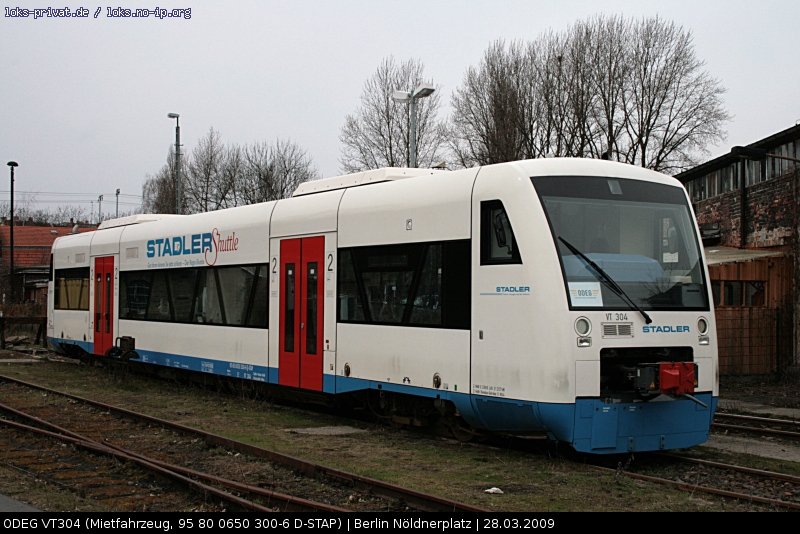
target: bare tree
220 176
377 134
206 186
672 106
253 184
488 108
64 214
609 66
232 168
67 213
631 91
271 172
158 190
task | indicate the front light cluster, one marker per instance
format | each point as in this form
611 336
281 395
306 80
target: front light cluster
702 330
583 327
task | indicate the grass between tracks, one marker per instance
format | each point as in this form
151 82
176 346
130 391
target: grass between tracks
530 481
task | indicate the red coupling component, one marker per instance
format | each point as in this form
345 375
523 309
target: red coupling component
676 378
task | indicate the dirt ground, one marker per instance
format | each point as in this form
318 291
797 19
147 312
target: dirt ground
782 390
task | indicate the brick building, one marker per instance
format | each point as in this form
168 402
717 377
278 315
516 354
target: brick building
748 214
32 246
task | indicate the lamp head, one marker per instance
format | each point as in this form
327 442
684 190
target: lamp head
173 115
423 90
12 164
401 96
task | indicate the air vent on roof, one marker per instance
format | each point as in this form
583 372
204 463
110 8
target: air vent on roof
360 178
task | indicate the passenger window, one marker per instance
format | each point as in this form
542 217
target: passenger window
498 245
413 284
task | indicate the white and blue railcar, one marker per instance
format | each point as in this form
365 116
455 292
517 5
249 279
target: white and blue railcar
566 296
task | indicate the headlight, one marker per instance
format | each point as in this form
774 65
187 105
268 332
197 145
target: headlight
702 326
583 326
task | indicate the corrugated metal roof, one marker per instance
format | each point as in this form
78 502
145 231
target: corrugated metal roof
769 142
719 255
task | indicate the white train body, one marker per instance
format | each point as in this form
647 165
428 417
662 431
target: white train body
459 286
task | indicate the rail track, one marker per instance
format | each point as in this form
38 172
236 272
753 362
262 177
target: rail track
776 490
162 445
750 424
779 490
701 487
104 487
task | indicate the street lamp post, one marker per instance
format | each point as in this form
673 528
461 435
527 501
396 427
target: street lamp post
99 209
116 215
176 116
422 91
12 165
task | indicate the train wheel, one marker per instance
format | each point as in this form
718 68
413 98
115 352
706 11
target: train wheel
460 430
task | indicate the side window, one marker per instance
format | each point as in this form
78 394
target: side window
350 303
498 245
159 307
71 289
134 292
233 295
415 284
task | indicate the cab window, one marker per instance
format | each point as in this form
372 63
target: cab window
498 245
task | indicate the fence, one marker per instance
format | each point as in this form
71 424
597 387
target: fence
25 320
754 340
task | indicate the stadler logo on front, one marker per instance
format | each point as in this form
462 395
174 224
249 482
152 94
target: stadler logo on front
512 289
668 329
210 244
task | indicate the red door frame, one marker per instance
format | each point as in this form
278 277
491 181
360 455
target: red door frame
103 304
301 312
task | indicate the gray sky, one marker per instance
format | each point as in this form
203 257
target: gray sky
84 102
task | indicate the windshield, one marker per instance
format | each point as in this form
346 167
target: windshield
640 233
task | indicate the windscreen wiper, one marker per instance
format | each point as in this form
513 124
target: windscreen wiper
606 278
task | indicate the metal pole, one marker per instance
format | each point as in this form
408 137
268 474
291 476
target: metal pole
12 164
117 212
177 118
99 209
177 165
413 144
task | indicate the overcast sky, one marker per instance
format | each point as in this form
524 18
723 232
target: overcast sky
84 102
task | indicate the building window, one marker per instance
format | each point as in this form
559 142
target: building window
729 178
736 293
754 171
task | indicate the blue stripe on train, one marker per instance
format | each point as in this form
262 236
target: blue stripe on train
589 425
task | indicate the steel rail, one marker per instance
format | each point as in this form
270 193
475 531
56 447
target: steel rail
291 502
758 430
758 419
96 447
704 489
738 468
417 499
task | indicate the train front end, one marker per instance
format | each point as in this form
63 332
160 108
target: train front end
592 318
641 324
